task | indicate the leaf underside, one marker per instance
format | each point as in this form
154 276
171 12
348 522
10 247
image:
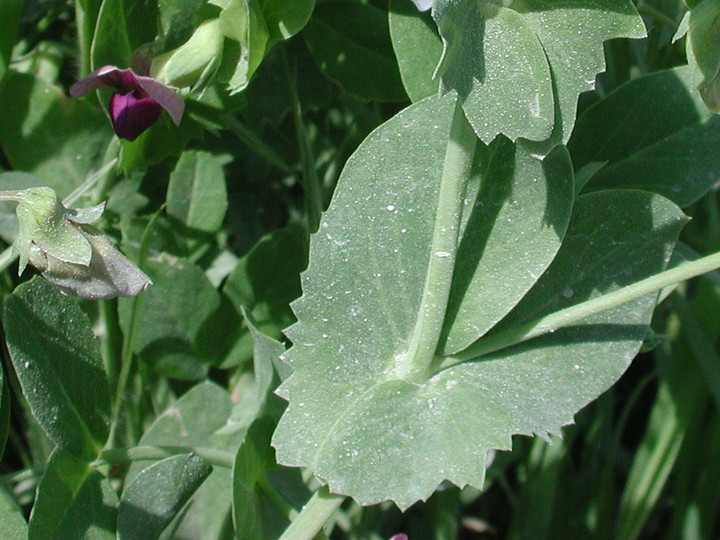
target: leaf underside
374 437
519 71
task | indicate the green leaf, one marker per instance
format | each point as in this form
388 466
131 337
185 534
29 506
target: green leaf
266 355
170 324
656 135
514 229
285 19
9 25
73 501
157 494
242 22
200 418
351 44
704 40
254 515
12 522
417 47
520 69
111 44
197 195
54 137
267 279
176 18
374 436
58 364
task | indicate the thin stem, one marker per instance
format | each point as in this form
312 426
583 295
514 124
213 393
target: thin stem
646 9
311 184
576 313
415 365
127 355
313 516
249 138
108 456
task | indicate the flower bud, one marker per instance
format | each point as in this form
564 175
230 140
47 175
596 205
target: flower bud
68 251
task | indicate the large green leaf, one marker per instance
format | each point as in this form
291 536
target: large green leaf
515 226
57 361
351 44
655 134
46 133
73 501
197 195
156 495
520 69
417 47
375 436
111 43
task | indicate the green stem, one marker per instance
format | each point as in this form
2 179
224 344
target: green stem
313 516
311 184
249 138
576 313
127 355
108 456
659 16
415 364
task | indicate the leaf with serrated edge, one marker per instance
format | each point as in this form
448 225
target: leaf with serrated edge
375 437
521 68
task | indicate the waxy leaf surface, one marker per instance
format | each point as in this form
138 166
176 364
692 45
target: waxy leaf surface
520 69
375 437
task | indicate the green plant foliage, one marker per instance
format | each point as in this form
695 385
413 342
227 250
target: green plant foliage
510 64
403 255
655 150
12 522
267 294
417 46
73 501
48 134
197 195
201 418
57 361
345 34
157 494
168 335
515 225
9 25
386 424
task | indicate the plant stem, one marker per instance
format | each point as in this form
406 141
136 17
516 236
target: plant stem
573 314
415 365
313 516
219 458
312 191
126 358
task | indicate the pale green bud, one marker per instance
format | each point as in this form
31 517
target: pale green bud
69 252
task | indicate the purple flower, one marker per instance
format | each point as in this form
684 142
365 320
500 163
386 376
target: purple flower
138 102
399 537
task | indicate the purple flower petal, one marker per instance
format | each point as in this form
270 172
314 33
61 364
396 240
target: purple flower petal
131 116
127 112
167 98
